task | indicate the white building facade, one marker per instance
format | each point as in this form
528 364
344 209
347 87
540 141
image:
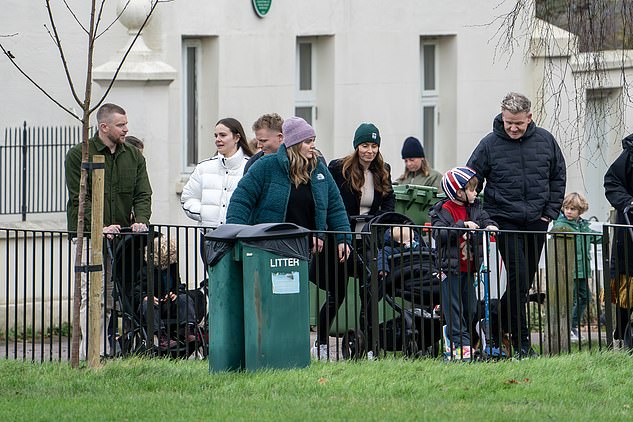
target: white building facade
420 68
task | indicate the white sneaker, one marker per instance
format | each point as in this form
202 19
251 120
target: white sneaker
573 334
320 352
370 355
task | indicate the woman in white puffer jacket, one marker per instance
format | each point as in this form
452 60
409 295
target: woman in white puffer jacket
205 198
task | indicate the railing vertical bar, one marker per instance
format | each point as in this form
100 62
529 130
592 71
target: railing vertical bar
7 296
24 165
43 297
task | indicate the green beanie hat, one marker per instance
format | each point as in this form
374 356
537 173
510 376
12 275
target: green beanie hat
366 132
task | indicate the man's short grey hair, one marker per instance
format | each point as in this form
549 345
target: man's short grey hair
516 103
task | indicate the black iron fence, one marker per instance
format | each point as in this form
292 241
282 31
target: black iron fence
32 168
392 297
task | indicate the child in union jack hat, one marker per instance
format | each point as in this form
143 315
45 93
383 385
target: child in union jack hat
459 251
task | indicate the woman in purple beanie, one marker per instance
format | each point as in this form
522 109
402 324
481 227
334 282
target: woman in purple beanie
294 186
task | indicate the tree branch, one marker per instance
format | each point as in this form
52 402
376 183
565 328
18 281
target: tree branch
114 20
58 42
12 59
99 15
72 13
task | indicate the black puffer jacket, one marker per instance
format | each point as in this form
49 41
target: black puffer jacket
525 178
618 188
448 241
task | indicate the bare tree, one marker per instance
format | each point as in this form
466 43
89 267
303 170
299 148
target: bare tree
597 48
93 29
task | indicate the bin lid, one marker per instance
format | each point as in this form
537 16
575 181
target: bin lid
220 241
225 232
285 239
272 231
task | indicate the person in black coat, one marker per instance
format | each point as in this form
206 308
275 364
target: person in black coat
524 173
618 188
364 181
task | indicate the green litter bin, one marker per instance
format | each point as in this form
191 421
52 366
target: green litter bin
415 201
226 299
276 300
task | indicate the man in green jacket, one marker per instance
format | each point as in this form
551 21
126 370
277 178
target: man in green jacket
126 189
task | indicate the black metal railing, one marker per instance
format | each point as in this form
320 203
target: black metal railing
390 299
32 168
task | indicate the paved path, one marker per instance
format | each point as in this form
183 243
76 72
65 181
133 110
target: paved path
58 349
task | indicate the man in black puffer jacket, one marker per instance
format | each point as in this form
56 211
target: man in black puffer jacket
525 173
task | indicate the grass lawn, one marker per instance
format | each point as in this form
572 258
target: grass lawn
583 386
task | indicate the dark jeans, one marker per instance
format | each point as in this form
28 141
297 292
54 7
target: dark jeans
520 253
182 308
458 307
581 298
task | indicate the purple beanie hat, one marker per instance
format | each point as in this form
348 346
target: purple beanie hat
296 130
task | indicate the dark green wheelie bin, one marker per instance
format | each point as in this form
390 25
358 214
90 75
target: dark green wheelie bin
415 201
226 299
276 301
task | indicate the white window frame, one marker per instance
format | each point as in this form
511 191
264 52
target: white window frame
186 44
306 98
430 98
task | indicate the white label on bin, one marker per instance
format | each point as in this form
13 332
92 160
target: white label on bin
285 283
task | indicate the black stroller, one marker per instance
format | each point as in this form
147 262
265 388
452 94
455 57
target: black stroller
410 293
129 271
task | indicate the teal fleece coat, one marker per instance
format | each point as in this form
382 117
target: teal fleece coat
262 196
583 243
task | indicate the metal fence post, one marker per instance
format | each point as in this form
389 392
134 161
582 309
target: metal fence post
606 280
24 159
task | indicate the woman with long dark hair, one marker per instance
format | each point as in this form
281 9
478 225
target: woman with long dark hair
364 181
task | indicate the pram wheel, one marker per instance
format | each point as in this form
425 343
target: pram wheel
411 347
353 345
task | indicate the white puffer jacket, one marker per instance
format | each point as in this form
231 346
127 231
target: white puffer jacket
205 198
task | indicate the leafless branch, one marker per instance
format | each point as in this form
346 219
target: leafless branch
574 95
50 34
8 35
17 66
72 13
113 21
58 42
127 52
99 15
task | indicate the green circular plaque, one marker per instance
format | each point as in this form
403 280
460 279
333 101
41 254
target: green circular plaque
261 7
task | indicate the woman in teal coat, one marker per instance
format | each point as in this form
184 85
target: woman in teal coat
294 186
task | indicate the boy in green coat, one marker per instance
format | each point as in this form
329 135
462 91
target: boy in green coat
574 205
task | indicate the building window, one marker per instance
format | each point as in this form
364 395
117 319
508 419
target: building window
305 103
428 61
429 97
191 71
